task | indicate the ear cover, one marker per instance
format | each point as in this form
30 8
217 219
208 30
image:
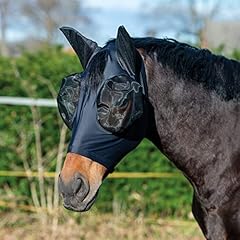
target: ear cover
68 97
83 46
119 103
126 51
120 98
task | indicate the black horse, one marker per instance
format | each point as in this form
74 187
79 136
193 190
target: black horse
184 99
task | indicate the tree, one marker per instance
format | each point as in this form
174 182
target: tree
48 15
186 17
4 17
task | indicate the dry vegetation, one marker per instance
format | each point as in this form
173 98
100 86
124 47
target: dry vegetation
93 225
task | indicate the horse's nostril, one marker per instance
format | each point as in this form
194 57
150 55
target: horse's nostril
77 184
78 187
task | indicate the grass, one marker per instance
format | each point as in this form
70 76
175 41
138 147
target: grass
94 225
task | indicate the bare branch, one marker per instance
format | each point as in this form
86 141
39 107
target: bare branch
49 14
4 16
61 145
38 144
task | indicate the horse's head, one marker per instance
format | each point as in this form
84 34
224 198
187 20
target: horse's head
104 107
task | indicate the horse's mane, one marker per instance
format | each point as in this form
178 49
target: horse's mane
214 72
199 65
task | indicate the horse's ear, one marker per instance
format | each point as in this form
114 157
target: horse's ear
83 46
126 51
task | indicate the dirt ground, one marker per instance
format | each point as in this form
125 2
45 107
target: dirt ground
23 226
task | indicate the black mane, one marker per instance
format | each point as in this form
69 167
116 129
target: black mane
214 72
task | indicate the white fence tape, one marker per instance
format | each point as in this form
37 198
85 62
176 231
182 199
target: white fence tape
43 102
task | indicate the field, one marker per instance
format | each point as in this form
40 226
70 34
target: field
93 225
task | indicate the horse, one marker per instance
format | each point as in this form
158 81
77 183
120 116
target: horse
183 99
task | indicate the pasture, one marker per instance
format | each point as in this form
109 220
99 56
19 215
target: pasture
93 225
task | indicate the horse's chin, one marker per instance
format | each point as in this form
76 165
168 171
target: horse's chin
74 204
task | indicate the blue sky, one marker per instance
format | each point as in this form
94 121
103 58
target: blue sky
135 15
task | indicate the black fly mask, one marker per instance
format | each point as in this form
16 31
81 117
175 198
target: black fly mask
109 121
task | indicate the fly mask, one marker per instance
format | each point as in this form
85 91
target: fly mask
110 120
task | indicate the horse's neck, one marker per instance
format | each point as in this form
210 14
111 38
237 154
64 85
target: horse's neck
194 126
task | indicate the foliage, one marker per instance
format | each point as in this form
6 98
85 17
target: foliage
156 196
236 54
35 75
39 75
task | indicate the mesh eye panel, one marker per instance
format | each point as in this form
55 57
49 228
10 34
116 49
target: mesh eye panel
68 97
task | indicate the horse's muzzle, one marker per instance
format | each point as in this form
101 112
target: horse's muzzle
75 192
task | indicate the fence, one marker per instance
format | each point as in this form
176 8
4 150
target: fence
29 208
112 175
20 101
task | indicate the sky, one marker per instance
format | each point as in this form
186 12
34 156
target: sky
135 15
